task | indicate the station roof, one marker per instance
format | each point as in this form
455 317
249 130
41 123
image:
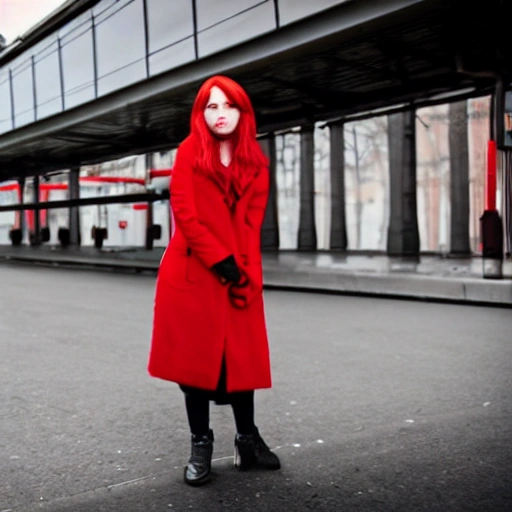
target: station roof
64 13
358 56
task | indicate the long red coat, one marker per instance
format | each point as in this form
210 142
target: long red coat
195 323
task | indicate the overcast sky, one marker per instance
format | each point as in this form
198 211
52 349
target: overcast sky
17 16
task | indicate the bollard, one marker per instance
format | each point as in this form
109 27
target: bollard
99 235
64 237
16 236
45 234
492 244
157 231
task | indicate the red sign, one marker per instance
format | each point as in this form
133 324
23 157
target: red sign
123 224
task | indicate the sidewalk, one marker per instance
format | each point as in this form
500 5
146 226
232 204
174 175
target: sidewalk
430 278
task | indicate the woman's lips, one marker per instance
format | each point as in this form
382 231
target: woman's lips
221 124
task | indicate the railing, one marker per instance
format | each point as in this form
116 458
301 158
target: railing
88 201
39 233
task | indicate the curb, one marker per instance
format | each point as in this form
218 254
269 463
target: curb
467 290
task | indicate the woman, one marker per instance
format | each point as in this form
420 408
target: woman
209 332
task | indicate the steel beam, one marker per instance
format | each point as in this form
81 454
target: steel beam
35 237
307 240
74 211
459 179
338 238
403 233
270 227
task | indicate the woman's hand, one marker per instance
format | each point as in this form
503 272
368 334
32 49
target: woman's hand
227 270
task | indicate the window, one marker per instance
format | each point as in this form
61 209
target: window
230 22
47 78
23 91
78 66
120 46
171 34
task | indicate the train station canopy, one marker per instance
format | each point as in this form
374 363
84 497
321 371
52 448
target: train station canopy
99 80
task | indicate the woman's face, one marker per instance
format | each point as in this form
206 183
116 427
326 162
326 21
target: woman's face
220 114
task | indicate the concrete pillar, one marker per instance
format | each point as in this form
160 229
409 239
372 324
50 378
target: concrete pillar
307 229
459 179
338 237
74 211
403 234
270 228
35 237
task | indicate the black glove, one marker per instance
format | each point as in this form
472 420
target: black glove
228 269
236 292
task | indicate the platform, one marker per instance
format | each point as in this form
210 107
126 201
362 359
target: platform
431 277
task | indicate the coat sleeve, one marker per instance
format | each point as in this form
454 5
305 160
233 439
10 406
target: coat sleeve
200 240
256 213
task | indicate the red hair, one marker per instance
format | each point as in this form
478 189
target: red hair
248 158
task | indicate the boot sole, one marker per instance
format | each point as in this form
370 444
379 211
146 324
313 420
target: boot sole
200 481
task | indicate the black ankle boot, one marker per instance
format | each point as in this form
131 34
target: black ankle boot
251 450
197 471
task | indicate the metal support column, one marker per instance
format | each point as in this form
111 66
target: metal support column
74 211
491 223
35 237
338 237
270 228
22 213
459 179
403 233
149 211
307 240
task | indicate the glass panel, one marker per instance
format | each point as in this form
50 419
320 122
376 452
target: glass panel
45 48
293 10
433 178
478 135
75 27
288 188
67 35
23 94
120 48
322 187
212 13
122 78
8 220
78 69
106 8
171 57
243 26
366 184
169 21
5 103
48 93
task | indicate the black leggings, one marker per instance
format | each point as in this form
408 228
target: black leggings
198 411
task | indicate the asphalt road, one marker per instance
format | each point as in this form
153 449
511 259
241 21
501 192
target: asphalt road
377 405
